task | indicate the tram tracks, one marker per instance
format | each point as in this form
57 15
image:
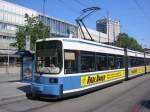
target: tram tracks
8 104
10 100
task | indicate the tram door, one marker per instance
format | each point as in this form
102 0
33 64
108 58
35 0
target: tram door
27 68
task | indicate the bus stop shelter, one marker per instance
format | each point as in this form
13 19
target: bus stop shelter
27 62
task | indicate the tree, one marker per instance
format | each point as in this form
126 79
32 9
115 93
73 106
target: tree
124 40
34 28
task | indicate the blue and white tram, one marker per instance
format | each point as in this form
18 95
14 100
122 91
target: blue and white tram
67 66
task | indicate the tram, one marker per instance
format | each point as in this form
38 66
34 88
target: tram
70 66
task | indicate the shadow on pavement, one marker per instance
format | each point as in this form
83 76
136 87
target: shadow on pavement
14 81
25 89
146 104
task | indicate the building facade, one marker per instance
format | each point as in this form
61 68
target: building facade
59 28
11 17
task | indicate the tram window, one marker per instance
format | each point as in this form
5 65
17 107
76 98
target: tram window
49 57
87 63
119 62
135 62
131 62
140 62
101 63
111 62
143 62
70 62
148 61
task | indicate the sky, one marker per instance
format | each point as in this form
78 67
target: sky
134 15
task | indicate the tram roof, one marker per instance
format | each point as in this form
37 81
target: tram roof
87 45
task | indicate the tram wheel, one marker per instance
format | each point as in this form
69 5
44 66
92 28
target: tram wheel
32 96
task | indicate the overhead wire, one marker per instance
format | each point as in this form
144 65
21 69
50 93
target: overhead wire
81 3
68 7
141 10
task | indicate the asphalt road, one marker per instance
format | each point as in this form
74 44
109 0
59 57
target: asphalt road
129 96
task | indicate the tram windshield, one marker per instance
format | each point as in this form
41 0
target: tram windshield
49 57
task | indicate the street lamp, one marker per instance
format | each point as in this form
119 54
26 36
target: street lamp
7 58
99 37
44 18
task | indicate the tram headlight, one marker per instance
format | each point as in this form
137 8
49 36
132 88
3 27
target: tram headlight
53 80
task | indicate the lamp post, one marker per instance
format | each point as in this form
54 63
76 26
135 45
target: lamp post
44 18
7 68
8 56
28 43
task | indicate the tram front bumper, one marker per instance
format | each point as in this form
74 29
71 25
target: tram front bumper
47 90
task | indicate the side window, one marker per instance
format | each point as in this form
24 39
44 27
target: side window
87 63
135 62
148 61
119 62
111 62
142 61
130 62
70 62
101 63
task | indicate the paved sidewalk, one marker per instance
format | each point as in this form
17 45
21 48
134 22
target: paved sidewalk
9 78
10 86
11 70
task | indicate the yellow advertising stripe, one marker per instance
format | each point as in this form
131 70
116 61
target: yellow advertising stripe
135 71
148 68
98 78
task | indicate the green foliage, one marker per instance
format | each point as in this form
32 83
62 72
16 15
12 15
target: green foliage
126 41
33 28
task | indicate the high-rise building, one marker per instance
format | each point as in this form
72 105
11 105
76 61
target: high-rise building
101 26
109 27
